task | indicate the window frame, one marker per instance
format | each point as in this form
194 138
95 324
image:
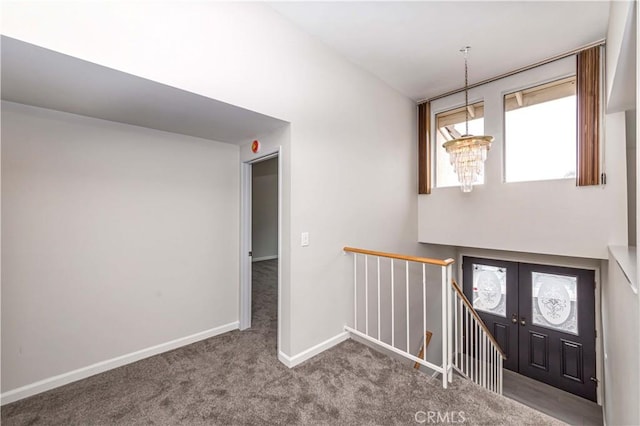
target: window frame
492 94
434 136
503 122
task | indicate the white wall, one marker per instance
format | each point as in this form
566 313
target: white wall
621 334
546 217
620 304
349 172
621 56
630 133
115 238
264 205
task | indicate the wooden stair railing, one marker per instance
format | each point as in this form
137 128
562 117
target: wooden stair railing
425 260
467 344
477 317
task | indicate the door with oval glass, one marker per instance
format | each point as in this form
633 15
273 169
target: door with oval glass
542 316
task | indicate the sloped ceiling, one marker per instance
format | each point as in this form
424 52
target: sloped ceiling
40 77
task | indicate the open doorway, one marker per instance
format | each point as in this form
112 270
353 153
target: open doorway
260 257
264 248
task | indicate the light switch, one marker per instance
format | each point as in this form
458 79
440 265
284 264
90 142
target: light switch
305 239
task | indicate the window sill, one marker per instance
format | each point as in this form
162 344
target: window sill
572 179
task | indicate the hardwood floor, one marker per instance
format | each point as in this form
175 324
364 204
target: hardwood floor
557 403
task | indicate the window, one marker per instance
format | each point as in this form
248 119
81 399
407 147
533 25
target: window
540 132
450 125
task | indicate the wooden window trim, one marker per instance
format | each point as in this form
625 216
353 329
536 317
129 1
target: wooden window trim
588 122
458 115
588 112
542 93
424 148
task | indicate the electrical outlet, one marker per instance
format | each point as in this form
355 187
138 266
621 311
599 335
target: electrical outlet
305 239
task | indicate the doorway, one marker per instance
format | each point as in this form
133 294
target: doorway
542 316
264 210
260 248
264 250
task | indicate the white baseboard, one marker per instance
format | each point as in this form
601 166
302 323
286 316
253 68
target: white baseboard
100 367
260 259
292 361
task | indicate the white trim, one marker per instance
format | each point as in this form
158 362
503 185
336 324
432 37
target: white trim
280 244
100 367
292 361
245 246
260 259
377 344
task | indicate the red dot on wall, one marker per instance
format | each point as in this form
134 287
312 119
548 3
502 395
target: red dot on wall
255 146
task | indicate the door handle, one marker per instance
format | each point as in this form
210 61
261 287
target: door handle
523 321
514 318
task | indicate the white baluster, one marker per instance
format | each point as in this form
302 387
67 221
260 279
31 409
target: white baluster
424 310
455 331
406 279
500 375
379 319
449 325
445 330
355 291
393 304
366 295
476 351
484 359
467 335
495 369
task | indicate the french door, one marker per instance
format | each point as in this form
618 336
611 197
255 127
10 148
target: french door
543 318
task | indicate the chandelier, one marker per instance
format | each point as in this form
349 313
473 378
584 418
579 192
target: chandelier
468 153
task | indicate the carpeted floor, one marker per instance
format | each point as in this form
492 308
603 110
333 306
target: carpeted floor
236 379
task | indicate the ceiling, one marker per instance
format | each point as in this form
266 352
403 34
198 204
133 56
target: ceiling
36 76
414 46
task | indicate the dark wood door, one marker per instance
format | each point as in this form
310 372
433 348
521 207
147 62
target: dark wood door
542 316
557 327
492 288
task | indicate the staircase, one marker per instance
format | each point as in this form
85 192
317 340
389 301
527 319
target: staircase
396 296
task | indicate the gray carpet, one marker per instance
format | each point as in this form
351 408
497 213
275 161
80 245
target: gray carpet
236 379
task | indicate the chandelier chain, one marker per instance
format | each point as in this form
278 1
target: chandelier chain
468 153
466 91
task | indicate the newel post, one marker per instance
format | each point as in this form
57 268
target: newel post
445 326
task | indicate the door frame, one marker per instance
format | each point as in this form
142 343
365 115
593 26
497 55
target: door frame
552 260
245 238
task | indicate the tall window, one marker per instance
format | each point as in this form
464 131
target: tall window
540 132
451 125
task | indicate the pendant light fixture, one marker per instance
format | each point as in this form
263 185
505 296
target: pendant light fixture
468 153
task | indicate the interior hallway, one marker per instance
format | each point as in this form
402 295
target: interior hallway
236 379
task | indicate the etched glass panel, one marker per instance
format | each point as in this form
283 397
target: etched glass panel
490 289
554 301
